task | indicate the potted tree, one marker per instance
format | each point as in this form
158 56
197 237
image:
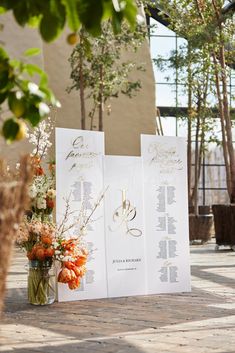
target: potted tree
99 72
207 25
193 68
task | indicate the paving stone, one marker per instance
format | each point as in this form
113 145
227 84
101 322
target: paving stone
202 321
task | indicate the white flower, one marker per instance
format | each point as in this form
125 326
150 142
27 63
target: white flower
33 88
43 109
67 258
32 191
55 245
40 137
41 204
57 252
51 193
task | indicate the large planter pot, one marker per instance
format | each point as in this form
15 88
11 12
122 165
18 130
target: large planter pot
200 227
224 223
204 210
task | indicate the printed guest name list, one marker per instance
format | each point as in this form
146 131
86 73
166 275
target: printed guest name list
166 223
79 178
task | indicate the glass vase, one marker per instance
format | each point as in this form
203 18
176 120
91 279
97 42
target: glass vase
41 282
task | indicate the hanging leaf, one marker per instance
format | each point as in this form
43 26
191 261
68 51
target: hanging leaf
53 21
130 13
33 115
117 21
90 14
72 14
21 13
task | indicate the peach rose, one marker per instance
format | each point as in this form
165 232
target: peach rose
66 275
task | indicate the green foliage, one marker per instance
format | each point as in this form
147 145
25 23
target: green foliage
10 129
211 37
51 16
26 101
98 70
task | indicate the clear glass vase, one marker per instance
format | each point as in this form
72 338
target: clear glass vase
41 282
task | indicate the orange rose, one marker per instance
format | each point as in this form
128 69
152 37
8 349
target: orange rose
49 252
40 254
66 275
70 265
82 270
74 284
46 240
81 260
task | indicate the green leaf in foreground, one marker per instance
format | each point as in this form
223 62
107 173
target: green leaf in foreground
32 52
10 129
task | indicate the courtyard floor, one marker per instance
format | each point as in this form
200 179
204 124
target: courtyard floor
202 321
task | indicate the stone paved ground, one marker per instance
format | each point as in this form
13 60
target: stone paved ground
202 321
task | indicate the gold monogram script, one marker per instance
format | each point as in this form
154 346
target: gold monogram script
123 215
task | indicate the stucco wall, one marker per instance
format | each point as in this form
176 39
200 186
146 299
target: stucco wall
129 117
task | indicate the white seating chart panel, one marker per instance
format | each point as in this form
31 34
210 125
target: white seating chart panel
139 242
79 177
124 226
166 213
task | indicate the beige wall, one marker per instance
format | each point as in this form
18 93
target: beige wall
129 117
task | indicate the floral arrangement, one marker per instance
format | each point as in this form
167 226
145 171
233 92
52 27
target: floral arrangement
43 246
42 190
37 239
73 257
43 241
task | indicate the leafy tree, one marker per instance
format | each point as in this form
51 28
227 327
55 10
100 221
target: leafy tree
98 71
207 27
194 72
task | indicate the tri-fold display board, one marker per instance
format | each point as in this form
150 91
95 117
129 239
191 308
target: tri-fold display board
138 243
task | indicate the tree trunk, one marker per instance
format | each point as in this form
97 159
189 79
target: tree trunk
222 121
91 115
228 125
101 99
195 200
81 79
189 145
230 168
201 114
